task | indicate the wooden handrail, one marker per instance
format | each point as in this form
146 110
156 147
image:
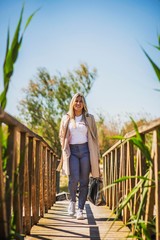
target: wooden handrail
125 159
12 121
142 129
27 179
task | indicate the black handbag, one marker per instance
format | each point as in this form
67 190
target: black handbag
95 192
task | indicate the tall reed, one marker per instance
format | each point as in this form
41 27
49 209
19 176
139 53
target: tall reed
11 55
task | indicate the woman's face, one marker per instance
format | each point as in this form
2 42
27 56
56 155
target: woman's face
78 105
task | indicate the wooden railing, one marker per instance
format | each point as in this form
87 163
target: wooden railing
27 177
124 159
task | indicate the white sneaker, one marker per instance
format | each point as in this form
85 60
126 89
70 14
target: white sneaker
71 208
80 214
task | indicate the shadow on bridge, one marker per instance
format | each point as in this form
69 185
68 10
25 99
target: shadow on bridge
97 225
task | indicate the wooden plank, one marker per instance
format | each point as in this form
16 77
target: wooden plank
98 224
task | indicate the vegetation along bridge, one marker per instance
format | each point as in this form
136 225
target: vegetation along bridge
131 178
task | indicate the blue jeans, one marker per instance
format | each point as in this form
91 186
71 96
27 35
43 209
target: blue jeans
79 165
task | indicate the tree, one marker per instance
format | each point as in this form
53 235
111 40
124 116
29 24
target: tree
47 99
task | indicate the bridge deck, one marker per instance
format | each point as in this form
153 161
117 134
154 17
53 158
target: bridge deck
97 225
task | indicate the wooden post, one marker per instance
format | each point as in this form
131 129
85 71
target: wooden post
45 178
16 198
54 178
11 150
157 181
49 179
129 172
30 171
37 179
21 173
107 175
27 205
53 184
111 180
33 184
41 181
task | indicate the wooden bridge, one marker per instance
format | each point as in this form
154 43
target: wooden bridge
28 206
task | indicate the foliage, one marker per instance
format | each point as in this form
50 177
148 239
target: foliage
4 137
11 55
47 99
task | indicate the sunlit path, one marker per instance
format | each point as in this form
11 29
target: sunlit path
98 224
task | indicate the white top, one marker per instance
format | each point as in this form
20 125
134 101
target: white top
78 134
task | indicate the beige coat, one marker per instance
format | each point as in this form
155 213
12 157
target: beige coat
92 143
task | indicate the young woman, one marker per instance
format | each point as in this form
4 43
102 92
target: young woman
80 151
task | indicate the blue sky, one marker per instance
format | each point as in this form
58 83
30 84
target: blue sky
105 34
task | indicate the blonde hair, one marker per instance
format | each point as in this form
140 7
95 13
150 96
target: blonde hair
71 109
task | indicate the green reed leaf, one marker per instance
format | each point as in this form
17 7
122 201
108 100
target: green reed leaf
142 202
117 137
155 67
139 142
11 56
29 19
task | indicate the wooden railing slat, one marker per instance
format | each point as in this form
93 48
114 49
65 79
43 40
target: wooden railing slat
41 180
10 170
27 204
16 196
46 180
33 183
